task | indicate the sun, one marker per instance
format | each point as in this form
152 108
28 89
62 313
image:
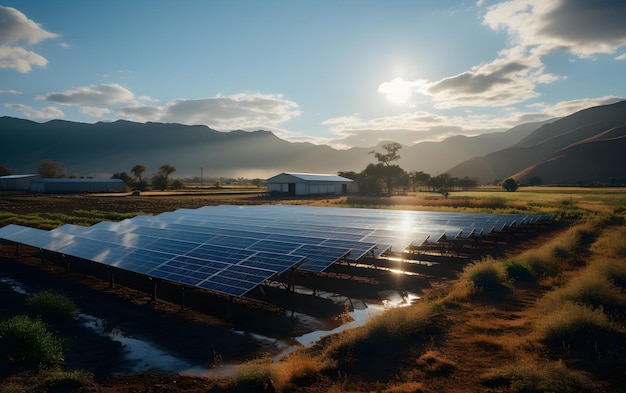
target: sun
398 90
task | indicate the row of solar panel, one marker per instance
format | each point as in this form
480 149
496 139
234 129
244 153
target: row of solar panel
232 249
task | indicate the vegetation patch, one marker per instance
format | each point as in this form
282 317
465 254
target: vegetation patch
52 305
27 342
384 340
519 271
538 377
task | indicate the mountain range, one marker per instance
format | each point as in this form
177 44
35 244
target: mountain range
587 145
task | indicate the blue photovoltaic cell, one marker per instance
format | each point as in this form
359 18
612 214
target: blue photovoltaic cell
232 249
318 258
277 263
20 234
142 261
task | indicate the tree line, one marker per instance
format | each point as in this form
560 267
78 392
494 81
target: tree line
159 181
387 178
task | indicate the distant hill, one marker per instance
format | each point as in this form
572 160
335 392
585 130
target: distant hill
104 148
585 147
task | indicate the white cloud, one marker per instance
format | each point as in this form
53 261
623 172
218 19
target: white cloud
94 111
246 111
407 128
535 28
238 111
580 27
411 128
621 57
565 108
48 112
93 95
15 28
11 92
142 113
20 59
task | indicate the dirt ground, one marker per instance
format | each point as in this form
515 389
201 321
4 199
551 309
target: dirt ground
194 336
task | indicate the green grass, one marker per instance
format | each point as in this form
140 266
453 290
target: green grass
47 220
27 341
519 271
52 305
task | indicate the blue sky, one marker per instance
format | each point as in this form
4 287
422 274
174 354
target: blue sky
344 73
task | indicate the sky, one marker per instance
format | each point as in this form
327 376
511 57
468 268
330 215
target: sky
338 72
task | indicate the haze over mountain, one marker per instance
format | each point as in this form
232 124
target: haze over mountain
101 149
587 146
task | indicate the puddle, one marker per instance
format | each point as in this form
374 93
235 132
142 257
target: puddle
140 355
16 286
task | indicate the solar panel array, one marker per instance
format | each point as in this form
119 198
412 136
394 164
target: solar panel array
232 249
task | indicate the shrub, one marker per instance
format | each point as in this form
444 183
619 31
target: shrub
574 323
66 380
486 275
27 340
384 339
519 270
612 243
613 269
592 289
53 305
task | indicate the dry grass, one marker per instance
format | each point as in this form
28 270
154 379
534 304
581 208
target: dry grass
571 322
535 376
406 387
562 253
612 243
590 287
433 362
485 276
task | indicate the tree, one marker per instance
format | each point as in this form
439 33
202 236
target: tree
468 182
161 179
510 185
122 176
51 169
5 170
391 176
391 155
138 170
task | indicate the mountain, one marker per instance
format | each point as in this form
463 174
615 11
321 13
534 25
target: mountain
104 148
585 147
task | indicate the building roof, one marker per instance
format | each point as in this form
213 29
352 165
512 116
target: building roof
314 177
70 180
17 176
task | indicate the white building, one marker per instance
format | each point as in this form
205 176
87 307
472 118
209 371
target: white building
17 182
290 183
69 186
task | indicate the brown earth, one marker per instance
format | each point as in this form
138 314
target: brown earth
186 331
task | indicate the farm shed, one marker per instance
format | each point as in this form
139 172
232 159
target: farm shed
17 182
69 186
293 184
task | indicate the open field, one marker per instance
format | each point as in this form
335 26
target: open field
506 324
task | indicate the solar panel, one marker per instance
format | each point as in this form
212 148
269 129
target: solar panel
232 249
